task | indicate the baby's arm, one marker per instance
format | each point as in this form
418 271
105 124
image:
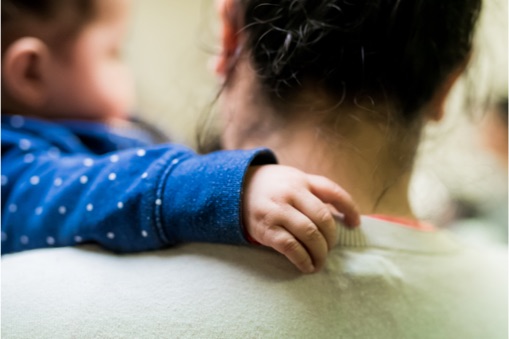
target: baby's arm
286 209
128 201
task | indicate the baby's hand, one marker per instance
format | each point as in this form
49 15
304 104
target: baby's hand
286 209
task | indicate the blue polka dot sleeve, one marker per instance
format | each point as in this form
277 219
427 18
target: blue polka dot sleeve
62 186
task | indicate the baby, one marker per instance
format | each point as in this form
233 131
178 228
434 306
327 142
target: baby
77 169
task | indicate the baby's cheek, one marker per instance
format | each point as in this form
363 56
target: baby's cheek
118 94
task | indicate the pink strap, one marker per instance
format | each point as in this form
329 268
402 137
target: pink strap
415 224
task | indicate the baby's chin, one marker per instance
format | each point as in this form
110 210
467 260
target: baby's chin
110 115
107 117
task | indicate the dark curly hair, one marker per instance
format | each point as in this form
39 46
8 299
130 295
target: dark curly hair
396 49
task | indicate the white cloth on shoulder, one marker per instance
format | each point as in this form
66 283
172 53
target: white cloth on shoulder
382 281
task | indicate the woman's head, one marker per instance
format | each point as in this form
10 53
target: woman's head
351 80
395 50
61 58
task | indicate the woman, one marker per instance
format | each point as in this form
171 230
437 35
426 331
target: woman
337 88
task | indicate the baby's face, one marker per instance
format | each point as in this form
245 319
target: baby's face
93 82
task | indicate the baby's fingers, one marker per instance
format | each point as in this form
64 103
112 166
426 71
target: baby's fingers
285 243
329 192
308 234
320 214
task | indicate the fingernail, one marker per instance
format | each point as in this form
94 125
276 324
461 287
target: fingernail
310 269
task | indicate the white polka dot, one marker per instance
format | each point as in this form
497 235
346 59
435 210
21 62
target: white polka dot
83 179
141 152
54 152
5 180
13 208
28 158
175 161
144 234
159 202
50 241
38 210
144 175
4 236
58 182
120 205
24 144
88 162
35 180
78 238
62 210
112 176
90 207
114 158
24 239
110 235
17 121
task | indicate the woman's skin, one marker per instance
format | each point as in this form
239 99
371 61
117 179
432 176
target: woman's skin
371 159
303 142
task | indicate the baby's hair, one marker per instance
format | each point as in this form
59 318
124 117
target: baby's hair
397 49
75 13
46 9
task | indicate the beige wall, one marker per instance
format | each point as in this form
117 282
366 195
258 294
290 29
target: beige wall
171 50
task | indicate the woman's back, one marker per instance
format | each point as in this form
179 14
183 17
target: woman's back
382 281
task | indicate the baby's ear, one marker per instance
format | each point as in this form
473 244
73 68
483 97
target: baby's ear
24 70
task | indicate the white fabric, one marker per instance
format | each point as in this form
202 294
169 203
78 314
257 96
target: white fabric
382 281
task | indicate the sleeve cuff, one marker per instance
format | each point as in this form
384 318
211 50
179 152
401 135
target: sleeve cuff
203 196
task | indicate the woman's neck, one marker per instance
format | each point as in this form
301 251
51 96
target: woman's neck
367 159
378 184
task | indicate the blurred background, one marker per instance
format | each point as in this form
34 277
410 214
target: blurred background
461 174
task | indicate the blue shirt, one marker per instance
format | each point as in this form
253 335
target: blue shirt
69 183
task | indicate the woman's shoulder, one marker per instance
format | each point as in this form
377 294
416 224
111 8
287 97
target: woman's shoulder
224 290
